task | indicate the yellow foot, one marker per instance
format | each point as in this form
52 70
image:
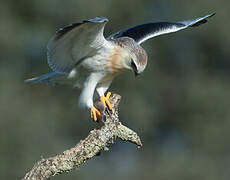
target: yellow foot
94 113
105 100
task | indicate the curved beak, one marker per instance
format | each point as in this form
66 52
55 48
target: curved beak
134 67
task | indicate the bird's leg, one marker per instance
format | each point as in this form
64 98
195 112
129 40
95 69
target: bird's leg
101 89
105 100
94 113
86 97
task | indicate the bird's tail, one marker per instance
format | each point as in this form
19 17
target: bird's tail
51 78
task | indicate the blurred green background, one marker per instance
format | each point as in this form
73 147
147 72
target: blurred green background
180 105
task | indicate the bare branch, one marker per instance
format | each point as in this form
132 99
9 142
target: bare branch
97 140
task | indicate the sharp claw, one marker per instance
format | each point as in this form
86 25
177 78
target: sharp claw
98 112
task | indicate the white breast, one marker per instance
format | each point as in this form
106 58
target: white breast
99 61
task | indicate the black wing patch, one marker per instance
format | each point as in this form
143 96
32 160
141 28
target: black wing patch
143 32
139 32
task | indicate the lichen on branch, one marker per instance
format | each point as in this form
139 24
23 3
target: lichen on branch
96 141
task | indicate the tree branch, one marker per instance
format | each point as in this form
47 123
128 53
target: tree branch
97 140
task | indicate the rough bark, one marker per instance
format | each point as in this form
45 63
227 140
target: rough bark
97 140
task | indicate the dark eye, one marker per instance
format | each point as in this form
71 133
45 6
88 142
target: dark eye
133 65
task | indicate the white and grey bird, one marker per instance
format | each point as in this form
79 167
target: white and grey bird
81 56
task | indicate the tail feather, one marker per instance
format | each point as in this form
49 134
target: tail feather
51 78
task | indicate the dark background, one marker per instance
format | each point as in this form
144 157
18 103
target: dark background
179 105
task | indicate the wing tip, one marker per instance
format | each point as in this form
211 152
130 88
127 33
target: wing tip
210 15
198 21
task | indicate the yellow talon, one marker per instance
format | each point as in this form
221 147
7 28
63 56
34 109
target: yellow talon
102 98
105 100
108 95
94 112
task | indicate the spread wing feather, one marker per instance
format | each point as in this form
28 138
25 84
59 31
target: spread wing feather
143 32
73 43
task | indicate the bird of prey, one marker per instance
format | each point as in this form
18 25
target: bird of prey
81 56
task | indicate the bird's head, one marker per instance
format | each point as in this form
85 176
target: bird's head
138 62
137 59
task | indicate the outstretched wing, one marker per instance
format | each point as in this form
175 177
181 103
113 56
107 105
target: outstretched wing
143 32
72 44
